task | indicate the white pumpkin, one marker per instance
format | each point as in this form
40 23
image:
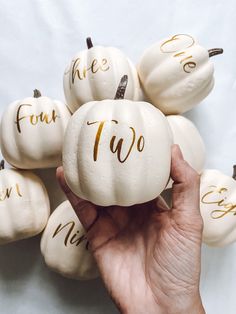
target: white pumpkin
64 245
186 135
176 73
32 132
94 74
117 152
24 205
218 207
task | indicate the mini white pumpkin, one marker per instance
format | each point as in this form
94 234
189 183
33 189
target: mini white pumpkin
218 207
186 135
94 74
176 73
117 152
64 245
24 205
32 132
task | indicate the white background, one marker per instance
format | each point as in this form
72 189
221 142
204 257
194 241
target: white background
38 38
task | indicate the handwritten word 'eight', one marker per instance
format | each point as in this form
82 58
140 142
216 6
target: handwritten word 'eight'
225 208
116 149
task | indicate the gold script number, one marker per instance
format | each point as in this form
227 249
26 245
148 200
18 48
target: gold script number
185 60
224 207
35 119
72 236
116 148
7 192
80 71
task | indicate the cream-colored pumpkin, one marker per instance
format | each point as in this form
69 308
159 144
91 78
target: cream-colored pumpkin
94 74
64 245
218 208
176 73
32 130
24 205
186 135
117 152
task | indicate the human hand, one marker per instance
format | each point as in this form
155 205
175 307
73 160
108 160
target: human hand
149 254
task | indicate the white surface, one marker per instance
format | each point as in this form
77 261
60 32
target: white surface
38 38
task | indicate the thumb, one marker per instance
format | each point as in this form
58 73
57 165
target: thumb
185 190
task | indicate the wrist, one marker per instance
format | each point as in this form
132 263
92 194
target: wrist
173 307
193 306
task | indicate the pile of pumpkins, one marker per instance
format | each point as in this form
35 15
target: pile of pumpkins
114 139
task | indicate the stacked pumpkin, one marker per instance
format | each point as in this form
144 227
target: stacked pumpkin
115 148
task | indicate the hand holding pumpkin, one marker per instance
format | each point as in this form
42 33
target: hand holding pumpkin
149 255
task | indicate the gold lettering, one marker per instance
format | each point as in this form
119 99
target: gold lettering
225 208
93 69
6 193
187 66
77 240
98 136
104 67
174 38
80 71
35 119
71 236
18 118
118 148
140 143
190 65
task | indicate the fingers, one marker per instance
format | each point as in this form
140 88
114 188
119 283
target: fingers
86 211
99 225
185 190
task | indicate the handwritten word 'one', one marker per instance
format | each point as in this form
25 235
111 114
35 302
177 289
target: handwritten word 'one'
186 60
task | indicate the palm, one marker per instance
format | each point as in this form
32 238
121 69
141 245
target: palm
138 246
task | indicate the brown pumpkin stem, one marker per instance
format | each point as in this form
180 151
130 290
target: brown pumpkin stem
89 42
234 173
37 93
120 93
215 51
2 164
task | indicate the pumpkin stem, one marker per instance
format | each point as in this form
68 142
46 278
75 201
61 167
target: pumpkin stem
234 173
37 93
89 42
120 93
215 51
2 164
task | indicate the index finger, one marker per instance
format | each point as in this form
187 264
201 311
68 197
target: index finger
185 190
